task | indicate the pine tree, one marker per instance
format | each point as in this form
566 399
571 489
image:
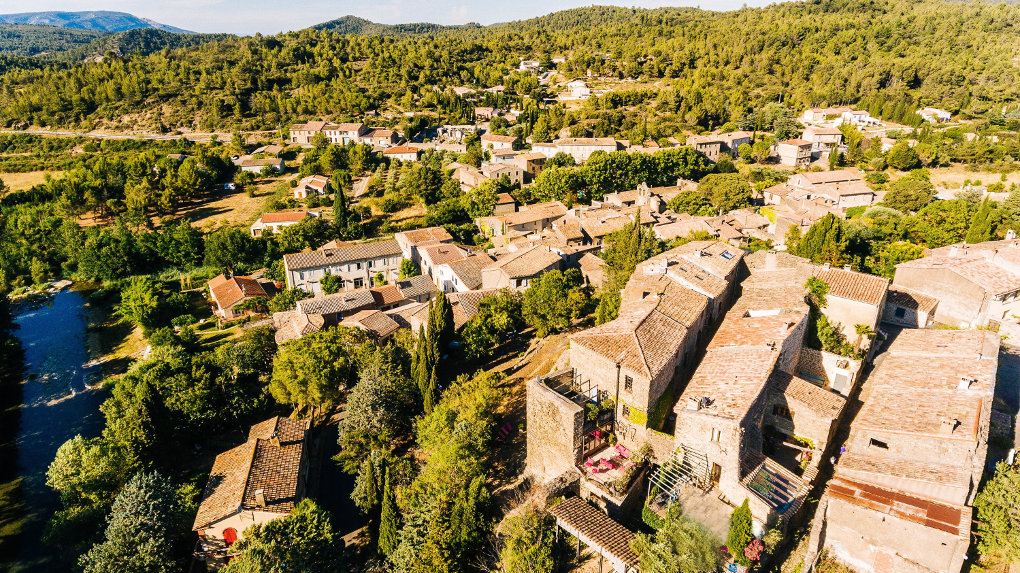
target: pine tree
341 214
389 524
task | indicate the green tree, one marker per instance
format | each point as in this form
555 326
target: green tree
315 369
287 299
88 471
726 191
760 151
825 242
231 250
302 542
331 283
981 224
746 152
389 521
998 516
909 194
692 202
408 269
902 157
143 531
139 303
740 534
681 546
940 223
557 184
527 542
548 303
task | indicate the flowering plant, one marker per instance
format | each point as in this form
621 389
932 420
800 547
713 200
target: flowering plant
753 550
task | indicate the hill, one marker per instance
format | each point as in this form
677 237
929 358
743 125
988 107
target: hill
103 21
30 40
360 26
707 68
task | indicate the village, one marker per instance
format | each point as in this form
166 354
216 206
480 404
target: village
707 393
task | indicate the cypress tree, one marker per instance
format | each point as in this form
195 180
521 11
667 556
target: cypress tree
341 214
740 533
389 524
981 224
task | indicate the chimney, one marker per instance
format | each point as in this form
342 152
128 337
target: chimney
275 439
693 403
826 266
771 260
260 498
954 251
965 382
846 267
948 425
1010 235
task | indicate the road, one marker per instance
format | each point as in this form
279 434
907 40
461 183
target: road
361 186
198 137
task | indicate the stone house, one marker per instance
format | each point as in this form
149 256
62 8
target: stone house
517 270
254 483
493 142
528 219
256 165
902 493
581 148
707 145
858 118
311 185
227 293
336 133
975 285
402 153
432 256
411 241
819 114
853 299
530 164
355 263
495 171
462 275
904 307
794 152
823 140
276 222
505 203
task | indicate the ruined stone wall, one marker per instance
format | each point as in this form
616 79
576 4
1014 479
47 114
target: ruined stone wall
553 432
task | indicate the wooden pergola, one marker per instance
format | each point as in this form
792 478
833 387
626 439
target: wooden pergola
603 535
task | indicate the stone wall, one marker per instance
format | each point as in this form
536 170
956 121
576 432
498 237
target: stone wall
553 431
961 302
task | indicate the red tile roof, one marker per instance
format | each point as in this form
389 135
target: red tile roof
288 217
229 291
951 519
853 285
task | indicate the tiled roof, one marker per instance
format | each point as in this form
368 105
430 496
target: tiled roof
259 162
676 301
797 142
593 267
386 295
755 331
987 274
526 263
586 141
341 302
837 176
258 464
499 138
906 298
342 254
465 304
413 287
442 253
853 465
951 519
426 235
288 217
505 199
314 181
731 379
825 403
853 285
532 213
231 291
400 150
469 269
374 321
931 363
609 535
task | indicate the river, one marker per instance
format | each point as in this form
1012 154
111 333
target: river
57 405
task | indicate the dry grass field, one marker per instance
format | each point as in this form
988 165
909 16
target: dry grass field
22 181
229 208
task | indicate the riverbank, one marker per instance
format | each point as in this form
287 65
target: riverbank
110 341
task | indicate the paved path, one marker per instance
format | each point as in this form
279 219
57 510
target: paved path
361 186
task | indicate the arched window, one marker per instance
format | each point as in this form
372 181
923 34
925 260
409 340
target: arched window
229 535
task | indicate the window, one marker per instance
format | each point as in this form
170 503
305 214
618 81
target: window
716 434
357 266
781 411
628 383
358 283
626 411
900 312
878 444
371 263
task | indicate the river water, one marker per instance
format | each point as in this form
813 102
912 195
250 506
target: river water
57 405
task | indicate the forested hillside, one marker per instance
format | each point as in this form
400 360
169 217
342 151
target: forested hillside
884 55
28 40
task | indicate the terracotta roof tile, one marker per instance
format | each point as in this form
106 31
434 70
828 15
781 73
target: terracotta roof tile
426 235
906 298
233 290
853 285
612 537
289 217
342 254
944 517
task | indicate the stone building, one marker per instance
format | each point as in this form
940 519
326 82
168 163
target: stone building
355 263
902 493
975 285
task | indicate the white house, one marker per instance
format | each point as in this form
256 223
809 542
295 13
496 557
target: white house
275 222
934 115
311 185
858 118
403 153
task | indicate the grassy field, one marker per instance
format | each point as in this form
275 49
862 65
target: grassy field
227 208
954 176
22 181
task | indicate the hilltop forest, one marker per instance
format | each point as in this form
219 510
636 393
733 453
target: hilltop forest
886 56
